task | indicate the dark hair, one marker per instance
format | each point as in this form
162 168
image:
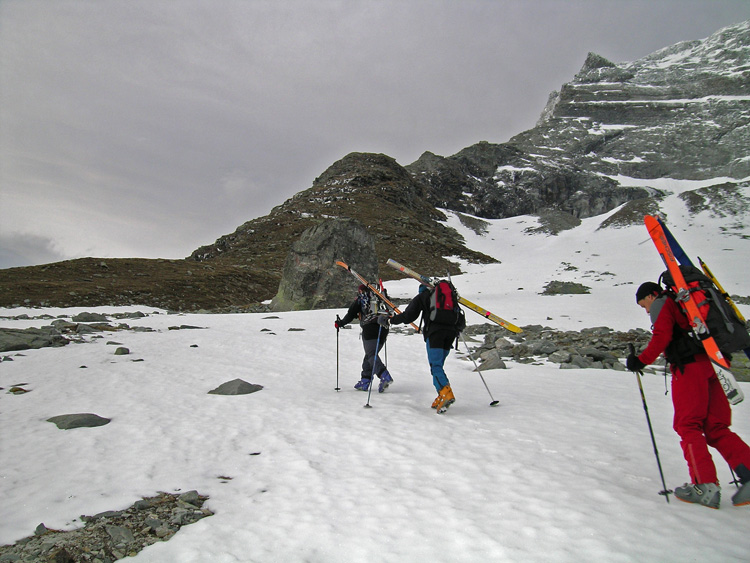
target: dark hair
646 289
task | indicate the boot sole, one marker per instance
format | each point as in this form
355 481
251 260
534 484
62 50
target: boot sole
701 504
444 407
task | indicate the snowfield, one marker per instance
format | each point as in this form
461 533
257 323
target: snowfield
562 470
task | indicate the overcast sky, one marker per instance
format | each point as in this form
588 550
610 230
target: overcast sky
148 128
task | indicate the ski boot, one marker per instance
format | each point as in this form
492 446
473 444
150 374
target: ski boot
707 494
363 384
742 497
385 381
435 402
444 399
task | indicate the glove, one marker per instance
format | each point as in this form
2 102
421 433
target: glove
336 324
634 364
383 320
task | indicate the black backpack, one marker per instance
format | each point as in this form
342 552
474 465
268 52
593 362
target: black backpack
729 332
370 305
444 307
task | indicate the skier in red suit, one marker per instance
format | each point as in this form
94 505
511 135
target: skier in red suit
702 414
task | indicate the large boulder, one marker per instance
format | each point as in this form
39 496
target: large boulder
14 339
312 280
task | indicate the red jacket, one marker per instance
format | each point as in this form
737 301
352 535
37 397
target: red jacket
663 331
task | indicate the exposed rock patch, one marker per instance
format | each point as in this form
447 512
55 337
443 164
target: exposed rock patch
111 536
12 339
80 420
565 288
599 347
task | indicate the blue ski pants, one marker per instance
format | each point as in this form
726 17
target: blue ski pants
436 357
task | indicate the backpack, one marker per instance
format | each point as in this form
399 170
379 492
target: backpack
370 305
729 332
444 308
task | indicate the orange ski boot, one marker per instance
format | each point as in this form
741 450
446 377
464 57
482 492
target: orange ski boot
444 399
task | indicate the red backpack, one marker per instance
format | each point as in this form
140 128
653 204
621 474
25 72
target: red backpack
729 332
444 308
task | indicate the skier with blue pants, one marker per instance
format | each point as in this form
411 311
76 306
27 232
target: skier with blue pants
439 339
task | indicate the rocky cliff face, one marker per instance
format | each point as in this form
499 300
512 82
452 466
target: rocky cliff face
682 112
515 182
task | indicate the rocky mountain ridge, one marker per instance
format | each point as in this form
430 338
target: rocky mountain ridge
682 112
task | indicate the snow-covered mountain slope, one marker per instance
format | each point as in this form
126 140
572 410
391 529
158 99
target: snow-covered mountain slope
563 470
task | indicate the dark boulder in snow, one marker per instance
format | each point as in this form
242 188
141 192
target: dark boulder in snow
80 420
312 280
235 387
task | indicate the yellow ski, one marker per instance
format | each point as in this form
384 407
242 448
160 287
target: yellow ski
430 282
721 289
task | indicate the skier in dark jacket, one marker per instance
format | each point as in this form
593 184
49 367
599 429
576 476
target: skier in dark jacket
439 339
374 322
702 414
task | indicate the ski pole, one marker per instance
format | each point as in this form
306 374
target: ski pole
494 402
374 363
734 478
338 320
638 375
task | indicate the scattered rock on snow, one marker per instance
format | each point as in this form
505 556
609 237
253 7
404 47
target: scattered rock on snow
114 534
80 420
13 339
598 347
89 318
565 288
235 387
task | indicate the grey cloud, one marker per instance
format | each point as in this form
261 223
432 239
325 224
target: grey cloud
157 126
23 249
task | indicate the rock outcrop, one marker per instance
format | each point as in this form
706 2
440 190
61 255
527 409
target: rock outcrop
312 280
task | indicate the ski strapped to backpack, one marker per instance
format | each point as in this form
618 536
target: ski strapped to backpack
731 334
726 296
430 282
372 288
689 303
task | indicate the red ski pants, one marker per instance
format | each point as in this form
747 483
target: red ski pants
702 417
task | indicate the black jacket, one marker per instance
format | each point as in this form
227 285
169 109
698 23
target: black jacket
420 304
371 330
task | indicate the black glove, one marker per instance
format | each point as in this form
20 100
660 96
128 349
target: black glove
383 320
634 364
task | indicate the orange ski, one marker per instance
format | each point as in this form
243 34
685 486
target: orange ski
697 322
374 289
